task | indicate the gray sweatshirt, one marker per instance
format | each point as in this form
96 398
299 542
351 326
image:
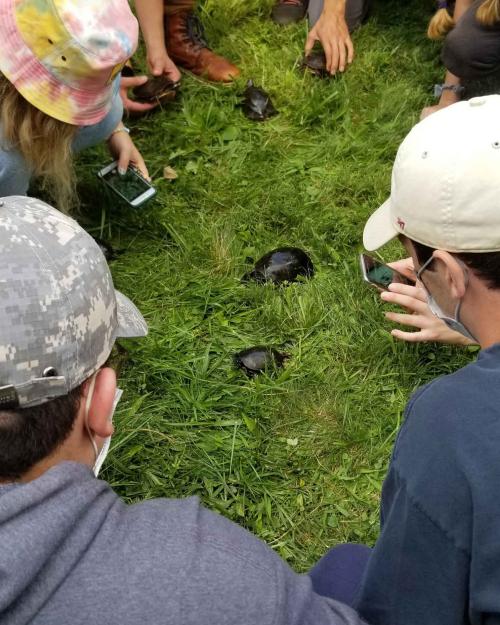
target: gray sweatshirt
72 553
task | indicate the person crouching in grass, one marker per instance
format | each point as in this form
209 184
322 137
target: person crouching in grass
437 560
60 69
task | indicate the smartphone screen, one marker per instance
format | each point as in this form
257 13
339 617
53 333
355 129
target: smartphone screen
130 186
381 275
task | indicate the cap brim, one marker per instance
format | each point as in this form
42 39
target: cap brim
379 229
130 321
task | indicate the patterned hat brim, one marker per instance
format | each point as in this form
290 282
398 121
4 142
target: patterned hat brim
131 323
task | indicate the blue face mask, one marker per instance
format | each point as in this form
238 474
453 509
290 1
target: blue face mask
453 323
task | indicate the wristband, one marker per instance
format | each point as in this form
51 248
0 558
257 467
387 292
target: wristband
121 129
438 89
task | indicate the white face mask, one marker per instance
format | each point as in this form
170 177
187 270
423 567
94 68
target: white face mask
453 323
100 456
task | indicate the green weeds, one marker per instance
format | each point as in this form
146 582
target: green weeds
297 457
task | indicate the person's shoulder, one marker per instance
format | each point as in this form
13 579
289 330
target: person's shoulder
208 566
192 528
450 396
449 424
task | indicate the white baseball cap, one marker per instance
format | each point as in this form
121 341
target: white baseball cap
445 190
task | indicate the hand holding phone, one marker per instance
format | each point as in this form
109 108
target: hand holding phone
130 187
379 275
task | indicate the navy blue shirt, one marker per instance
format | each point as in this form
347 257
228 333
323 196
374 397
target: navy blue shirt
437 561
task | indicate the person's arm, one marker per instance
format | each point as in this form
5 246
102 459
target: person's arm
332 31
122 148
447 97
150 15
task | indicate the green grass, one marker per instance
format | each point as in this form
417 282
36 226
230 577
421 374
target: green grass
298 458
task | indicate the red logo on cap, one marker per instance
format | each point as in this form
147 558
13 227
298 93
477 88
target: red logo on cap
401 223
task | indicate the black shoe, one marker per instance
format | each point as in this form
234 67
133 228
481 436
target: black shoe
289 11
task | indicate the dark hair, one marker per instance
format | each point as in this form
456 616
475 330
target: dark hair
28 435
485 265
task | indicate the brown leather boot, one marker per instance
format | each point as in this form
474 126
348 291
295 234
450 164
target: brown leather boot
187 47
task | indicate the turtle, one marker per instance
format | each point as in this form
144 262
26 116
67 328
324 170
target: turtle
107 249
156 89
284 264
315 63
255 360
257 104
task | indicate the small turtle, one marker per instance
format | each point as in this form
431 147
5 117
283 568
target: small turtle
315 63
257 104
107 249
283 264
156 89
255 360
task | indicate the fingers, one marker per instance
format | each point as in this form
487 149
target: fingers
342 56
157 69
173 71
132 81
331 55
310 41
409 302
123 162
413 321
411 291
350 50
404 266
409 337
133 106
139 164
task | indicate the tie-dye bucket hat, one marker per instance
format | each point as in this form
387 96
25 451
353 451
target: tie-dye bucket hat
65 56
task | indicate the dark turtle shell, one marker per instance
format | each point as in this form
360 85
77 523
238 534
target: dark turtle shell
107 249
255 360
257 104
316 64
284 264
157 89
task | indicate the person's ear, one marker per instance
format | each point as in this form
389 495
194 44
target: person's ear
454 274
101 404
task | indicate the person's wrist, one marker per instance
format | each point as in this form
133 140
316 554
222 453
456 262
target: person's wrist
448 97
156 50
120 128
335 8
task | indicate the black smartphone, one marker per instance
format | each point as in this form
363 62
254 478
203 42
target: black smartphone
131 187
379 275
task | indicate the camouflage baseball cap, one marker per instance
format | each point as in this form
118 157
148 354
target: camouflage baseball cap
59 311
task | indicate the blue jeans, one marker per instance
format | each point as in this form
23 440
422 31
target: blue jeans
15 172
339 573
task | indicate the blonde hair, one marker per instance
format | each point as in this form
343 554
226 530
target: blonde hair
489 12
44 142
442 22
